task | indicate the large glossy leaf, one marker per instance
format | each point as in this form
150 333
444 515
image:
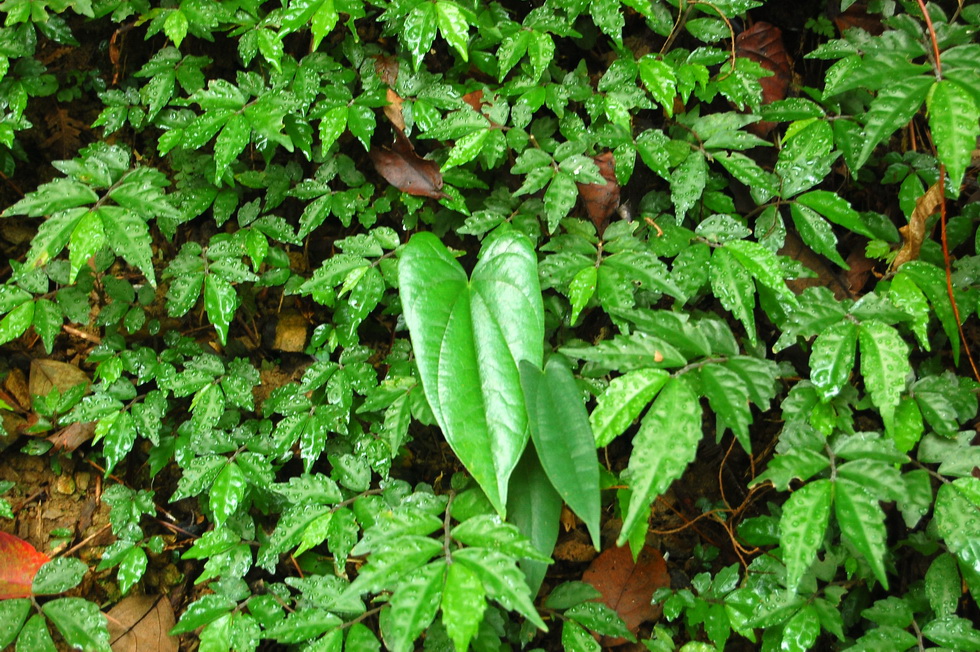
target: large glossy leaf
563 437
954 120
802 527
662 449
81 623
884 365
534 506
623 401
468 337
832 358
862 522
957 516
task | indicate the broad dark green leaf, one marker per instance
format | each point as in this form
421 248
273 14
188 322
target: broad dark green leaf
862 522
563 437
469 337
957 519
80 622
954 120
832 358
53 197
894 107
59 575
534 506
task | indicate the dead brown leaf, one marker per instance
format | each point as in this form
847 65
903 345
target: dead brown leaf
763 43
601 199
915 231
393 110
406 170
71 437
627 587
48 374
15 391
386 68
140 623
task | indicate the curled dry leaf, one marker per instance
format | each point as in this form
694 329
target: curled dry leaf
915 231
601 200
140 623
19 562
48 374
71 437
627 587
406 170
393 110
763 43
856 16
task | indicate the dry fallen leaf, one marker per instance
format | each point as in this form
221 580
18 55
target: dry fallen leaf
915 231
139 623
627 587
763 43
406 170
393 110
71 437
601 199
46 374
386 68
19 562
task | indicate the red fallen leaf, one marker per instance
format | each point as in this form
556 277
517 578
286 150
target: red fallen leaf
601 199
19 562
763 43
627 587
406 170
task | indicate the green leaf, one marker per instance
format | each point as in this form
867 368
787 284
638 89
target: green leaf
599 618
128 234
832 358
563 437
13 613
884 365
175 26
220 302
59 575
806 158
580 290
16 322
535 508
466 149
418 31
816 233
862 522
453 26
658 77
35 636
226 493
763 184
53 197
81 623
931 280
836 209
665 444
388 566
463 604
502 581
943 585
468 338
687 184
954 120
575 638
302 626
763 264
621 403
801 631
119 440
802 527
907 296
231 142
559 198
488 531
729 398
512 49
628 352
87 239
893 108
131 568
953 632
732 284
957 518
413 606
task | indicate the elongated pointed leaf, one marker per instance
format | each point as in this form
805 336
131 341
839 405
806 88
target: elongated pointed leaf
832 358
81 623
463 604
535 508
563 438
664 446
732 285
957 515
954 120
802 527
816 233
836 209
862 522
413 606
729 398
622 402
884 365
468 338
894 106
502 581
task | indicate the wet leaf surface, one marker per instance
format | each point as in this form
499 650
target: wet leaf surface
19 562
406 170
601 200
627 587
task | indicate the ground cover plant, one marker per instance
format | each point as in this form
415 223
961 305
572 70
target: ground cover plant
362 324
